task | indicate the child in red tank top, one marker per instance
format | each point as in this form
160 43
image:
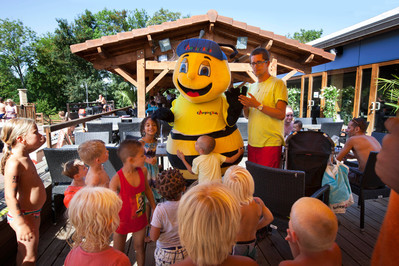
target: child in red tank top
131 184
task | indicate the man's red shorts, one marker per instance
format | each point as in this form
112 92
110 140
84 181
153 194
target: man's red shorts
267 156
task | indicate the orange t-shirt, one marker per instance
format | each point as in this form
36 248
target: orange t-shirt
386 249
69 193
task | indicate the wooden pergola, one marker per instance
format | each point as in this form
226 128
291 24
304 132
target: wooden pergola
137 57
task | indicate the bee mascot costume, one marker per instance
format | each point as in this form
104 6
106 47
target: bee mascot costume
202 75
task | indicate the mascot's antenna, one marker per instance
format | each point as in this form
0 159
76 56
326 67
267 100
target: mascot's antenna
233 54
202 33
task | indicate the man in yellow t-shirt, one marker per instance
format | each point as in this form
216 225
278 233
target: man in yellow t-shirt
265 109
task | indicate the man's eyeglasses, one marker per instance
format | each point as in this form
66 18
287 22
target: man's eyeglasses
258 63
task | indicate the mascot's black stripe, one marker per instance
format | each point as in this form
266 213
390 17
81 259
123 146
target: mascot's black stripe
177 163
218 134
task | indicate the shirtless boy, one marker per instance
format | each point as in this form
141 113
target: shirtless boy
311 235
94 154
359 143
254 214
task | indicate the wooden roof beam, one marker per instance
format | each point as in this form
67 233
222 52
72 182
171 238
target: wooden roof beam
240 67
243 57
289 75
157 79
308 59
126 76
102 52
155 65
269 45
290 64
115 61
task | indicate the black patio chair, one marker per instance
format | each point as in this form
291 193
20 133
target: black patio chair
127 127
370 185
304 120
114 158
131 135
81 137
280 188
55 158
378 136
100 127
308 151
320 120
332 128
120 113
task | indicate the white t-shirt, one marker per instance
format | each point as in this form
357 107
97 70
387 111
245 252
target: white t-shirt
207 167
165 218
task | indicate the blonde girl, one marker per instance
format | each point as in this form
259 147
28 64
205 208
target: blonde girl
24 191
209 220
93 212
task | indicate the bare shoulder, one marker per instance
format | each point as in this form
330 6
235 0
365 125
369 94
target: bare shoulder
12 164
114 184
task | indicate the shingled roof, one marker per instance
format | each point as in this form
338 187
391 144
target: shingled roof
119 53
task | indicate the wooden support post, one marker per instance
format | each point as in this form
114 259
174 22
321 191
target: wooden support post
358 86
310 93
48 135
302 96
289 75
324 78
273 67
140 84
373 96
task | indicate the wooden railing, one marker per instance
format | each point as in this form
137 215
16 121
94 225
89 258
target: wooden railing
51 128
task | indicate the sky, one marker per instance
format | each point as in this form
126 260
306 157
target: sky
279 16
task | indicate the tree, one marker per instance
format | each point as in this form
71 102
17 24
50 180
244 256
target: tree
9 83
305 36
15 47
55 76
163 15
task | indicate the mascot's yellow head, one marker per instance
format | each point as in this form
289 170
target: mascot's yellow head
202 72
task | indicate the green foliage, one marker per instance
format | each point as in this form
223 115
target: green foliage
391 90
305 36
125 93
294 100
330 94
347 104
55 76
163 15
42 106
15 47
8 82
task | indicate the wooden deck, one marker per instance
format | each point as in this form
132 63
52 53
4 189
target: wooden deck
356 246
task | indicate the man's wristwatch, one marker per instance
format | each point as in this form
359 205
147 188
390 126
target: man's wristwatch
260 107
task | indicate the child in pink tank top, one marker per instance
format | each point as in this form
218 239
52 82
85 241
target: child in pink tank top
131 184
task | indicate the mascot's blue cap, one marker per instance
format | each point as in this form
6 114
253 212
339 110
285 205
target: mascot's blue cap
201 46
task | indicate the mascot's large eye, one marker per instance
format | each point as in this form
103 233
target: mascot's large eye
184 66
204 69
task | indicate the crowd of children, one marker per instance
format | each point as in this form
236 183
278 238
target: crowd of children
212 223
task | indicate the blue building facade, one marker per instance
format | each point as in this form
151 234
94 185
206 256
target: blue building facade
364 52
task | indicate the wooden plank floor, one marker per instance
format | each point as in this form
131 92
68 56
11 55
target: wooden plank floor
356 245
